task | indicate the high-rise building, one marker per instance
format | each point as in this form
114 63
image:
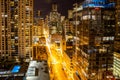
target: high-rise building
117 42
16 28
55 27
54 21
38 39
97 31
70 14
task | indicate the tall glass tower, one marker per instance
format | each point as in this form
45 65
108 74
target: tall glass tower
97 31
117 41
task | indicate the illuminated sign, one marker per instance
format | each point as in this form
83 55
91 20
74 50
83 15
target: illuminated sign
98 3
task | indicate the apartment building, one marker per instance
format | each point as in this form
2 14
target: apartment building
16 21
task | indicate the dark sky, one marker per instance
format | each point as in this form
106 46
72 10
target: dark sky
45 6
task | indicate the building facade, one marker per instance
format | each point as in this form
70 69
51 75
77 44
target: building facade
54 21
16 28
117 42
38 39
97 31
55 27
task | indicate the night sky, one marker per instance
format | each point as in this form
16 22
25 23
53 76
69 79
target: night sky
45 6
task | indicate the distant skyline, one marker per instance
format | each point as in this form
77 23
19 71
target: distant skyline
45 6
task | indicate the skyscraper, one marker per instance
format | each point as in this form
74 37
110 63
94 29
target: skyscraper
55 27
54 20
16 28
97 31
117 42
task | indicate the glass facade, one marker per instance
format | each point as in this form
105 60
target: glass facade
117 42
97 31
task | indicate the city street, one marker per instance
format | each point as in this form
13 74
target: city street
56 66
